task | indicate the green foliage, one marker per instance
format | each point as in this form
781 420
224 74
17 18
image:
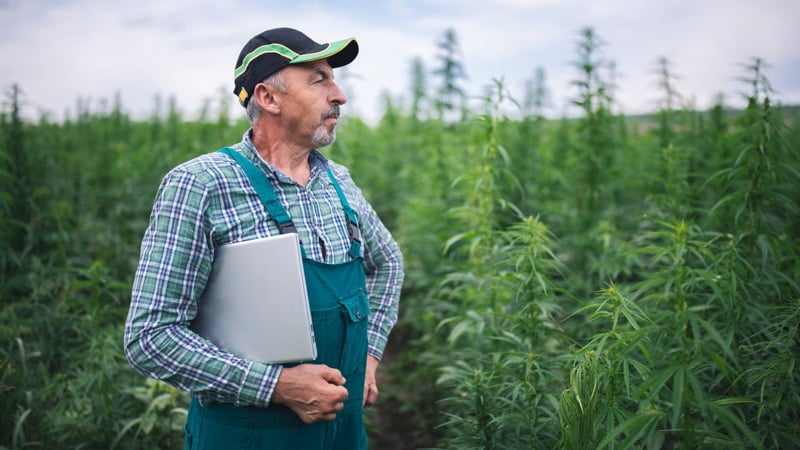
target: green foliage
592 282
451 71
70 235
594 130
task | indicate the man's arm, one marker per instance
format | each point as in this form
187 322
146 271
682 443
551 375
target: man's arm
173 268
383 263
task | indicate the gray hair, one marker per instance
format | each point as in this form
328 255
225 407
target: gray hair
253 109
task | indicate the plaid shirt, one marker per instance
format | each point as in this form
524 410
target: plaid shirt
208 201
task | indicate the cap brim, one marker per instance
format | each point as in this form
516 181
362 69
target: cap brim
338 53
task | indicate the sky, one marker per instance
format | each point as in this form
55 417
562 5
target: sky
60 51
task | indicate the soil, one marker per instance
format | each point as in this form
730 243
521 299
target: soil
391 428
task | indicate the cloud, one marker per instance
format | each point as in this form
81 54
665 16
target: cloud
187 48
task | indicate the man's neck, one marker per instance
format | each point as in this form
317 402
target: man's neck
289 159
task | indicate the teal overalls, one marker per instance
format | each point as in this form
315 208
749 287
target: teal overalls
339 311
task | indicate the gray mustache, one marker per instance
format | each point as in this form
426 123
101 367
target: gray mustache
332 112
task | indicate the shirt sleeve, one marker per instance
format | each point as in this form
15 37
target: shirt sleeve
383 264
175 261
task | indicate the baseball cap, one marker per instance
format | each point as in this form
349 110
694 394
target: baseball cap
272 50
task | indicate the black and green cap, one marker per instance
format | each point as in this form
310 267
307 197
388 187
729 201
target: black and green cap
272 50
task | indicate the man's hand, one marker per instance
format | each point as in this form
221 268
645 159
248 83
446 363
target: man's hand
313 391
370 382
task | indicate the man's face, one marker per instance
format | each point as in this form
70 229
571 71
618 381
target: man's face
310 108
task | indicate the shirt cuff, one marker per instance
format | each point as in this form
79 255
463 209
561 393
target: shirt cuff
258 384
376 345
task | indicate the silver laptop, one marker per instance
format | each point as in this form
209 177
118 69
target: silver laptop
256 304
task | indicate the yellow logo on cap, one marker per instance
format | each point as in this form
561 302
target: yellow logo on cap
243 95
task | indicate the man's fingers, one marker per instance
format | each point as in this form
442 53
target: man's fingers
371 382
313 392
334 376
370 394
313 417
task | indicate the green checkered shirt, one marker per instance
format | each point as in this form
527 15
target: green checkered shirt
208 201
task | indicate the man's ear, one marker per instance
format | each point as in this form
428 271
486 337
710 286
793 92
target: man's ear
266 97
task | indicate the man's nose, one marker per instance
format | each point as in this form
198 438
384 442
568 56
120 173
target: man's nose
336 95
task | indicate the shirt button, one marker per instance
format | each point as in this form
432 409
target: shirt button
358 314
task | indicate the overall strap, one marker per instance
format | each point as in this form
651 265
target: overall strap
264 191
270 200
352 220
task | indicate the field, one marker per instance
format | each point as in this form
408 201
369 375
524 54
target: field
599 281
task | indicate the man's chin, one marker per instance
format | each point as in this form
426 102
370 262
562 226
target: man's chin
324 139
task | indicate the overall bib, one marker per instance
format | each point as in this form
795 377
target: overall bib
339 311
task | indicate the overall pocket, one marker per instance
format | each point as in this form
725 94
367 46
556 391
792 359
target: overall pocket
355 309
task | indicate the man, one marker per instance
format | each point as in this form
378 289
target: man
285 81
